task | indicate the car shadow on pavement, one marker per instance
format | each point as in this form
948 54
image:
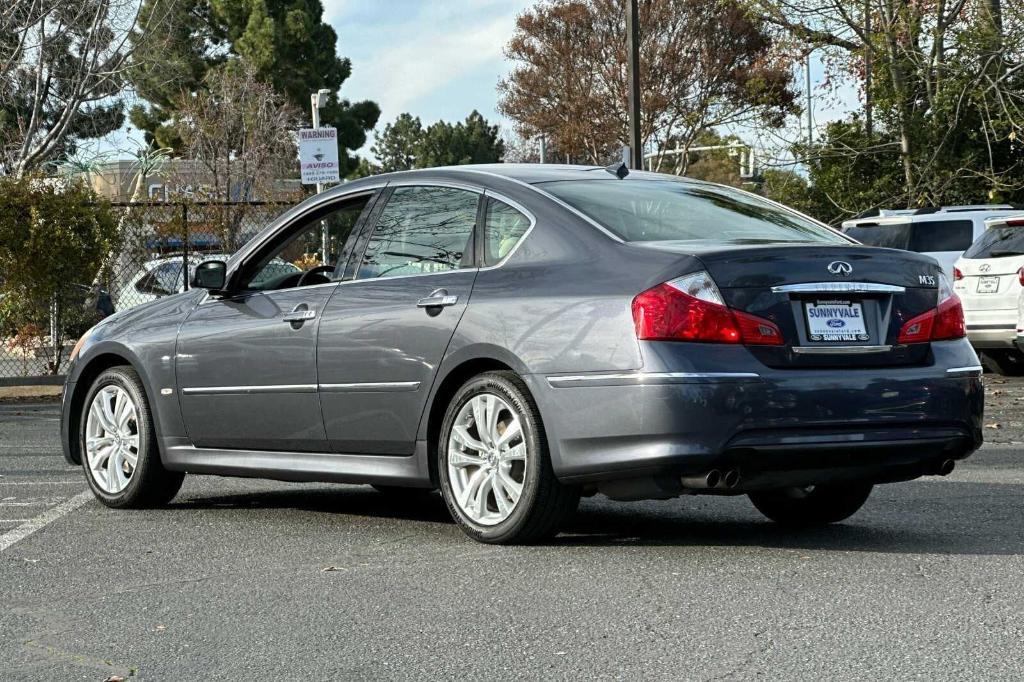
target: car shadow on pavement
951 517
410 505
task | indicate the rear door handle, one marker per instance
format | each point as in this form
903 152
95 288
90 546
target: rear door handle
299 316
438 299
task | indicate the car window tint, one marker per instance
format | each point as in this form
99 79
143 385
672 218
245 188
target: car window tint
888 235
421 230
503 229
997 242
942 235
677 211
305 249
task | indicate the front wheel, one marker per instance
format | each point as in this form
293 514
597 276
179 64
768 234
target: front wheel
494 466
814 506
118 444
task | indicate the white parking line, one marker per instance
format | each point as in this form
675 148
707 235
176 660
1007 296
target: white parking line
47 517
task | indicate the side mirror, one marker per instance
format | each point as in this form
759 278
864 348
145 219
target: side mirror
211 275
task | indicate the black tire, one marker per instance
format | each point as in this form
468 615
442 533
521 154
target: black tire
1009 363
545 504
822 505
150 484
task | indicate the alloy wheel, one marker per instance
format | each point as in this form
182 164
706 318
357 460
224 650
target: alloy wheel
112 439
487 457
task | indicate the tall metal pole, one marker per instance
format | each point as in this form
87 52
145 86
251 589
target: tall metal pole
543 148
636 152
314 100
868 104
810 110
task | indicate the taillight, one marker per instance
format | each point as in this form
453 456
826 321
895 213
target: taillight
1020 275
945 321
957 275
692 309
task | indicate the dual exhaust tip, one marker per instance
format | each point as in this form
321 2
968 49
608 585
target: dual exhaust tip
714 479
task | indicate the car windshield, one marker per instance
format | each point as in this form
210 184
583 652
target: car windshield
923 237
997 242
669 210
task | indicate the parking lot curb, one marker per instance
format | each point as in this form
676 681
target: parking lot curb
19 393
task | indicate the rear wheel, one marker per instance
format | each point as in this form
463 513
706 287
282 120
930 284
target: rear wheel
1006 362
493 462
812 506
118 444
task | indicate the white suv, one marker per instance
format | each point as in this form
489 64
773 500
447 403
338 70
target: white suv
989 279
942 233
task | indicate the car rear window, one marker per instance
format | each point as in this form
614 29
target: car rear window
669 210
924 237
997 242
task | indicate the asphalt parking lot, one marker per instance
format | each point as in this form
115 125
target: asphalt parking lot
250 580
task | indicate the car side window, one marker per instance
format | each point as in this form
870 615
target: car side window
421 230
315 244
503 228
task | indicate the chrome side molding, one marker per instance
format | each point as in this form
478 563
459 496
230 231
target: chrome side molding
249 390
648 378
371 387
838 287
970 370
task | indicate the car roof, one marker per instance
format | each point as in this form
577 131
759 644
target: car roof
534 173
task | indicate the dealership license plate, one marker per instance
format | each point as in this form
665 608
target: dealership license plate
988 285
835 321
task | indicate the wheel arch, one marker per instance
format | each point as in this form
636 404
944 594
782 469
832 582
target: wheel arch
84 377
445 388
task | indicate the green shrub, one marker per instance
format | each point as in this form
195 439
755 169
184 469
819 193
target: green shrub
53 239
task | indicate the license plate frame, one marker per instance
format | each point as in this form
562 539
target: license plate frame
988 284
835 321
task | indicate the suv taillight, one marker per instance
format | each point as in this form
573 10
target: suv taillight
1020 275
957 275
692 309
945 321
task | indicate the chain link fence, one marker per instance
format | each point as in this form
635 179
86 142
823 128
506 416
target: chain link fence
159 247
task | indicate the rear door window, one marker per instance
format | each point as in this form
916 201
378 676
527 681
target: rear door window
887 235
422 230
998 242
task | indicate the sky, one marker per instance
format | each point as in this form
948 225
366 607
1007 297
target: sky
440 59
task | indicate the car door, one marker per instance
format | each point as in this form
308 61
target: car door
385 330
246 362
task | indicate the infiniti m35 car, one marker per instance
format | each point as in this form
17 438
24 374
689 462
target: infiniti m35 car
519 336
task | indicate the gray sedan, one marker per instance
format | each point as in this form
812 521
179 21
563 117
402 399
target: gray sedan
519 336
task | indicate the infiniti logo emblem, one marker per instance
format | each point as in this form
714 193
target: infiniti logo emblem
840 267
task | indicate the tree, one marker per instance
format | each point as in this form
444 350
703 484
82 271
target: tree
570 83
241 131
62 72
285 43
943 84
406 144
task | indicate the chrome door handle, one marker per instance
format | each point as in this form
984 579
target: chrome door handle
436 300
299 316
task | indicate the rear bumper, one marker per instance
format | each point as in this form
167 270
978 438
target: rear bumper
781 427
992 336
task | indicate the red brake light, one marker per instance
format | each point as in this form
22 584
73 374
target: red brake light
946 321
667 313
1020 275
957 275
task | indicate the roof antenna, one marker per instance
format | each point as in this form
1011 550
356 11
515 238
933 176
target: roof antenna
619 170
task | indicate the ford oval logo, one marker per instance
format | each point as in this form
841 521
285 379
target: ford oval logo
836 324
840 267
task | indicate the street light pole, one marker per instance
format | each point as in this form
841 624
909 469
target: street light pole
636 153
317 100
